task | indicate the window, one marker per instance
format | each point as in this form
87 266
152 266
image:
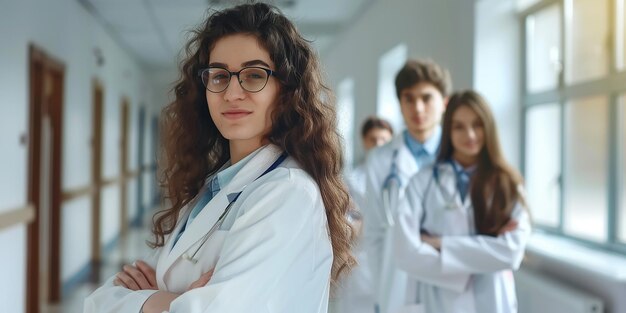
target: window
575 119
585 155
621 139
620 34
387 106
543 158
543 52
622 30
525 4
587 40
345 116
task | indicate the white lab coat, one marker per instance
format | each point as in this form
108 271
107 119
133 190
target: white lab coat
472 273
389 282
272 254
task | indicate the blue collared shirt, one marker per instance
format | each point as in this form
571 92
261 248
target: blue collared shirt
213 186
463 177
424 153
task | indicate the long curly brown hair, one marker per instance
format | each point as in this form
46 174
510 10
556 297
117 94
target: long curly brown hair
495 186
303 122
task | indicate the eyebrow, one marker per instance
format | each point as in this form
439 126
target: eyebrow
459 121
244 64
419 94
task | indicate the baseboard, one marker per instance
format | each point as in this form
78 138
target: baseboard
82 276
137 220
109 246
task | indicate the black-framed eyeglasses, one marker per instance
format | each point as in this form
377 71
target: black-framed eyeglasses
251 79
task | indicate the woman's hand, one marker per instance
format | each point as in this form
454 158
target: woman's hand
510 226
434 241
136 277
202 281
161 300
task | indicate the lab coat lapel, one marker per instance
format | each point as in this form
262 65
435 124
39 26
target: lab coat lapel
209 215
407 167
168 246
448 181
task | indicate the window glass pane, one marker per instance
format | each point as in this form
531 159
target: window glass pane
620 34
543 159
622 170
387 105
587 40
524 4
586 159
345 116
543 55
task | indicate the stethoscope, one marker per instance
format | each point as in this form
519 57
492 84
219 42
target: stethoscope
233 197
450 199
391 190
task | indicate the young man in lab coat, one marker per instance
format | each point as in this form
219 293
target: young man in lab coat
422 87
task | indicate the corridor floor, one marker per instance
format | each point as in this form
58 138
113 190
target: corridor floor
130 248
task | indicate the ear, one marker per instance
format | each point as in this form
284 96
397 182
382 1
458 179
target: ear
445 102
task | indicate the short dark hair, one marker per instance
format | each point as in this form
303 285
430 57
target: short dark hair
417 71
375 122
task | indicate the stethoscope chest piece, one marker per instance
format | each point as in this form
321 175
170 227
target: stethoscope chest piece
189 258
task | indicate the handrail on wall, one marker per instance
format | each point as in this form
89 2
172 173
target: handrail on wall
21 215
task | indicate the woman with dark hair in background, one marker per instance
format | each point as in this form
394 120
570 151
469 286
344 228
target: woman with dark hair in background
252 169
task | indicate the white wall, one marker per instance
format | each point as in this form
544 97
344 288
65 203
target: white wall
13 269
438 29
64 30
110 214
76 237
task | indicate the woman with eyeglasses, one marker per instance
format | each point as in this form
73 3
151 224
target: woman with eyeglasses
252 171
463 224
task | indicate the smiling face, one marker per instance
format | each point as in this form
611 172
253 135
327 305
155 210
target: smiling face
467 134
242 117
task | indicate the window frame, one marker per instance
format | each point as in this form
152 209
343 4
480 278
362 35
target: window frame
613 86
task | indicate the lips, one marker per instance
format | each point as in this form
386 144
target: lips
470 145
236 114
418 119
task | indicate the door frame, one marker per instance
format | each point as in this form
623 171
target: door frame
96 177
124 175
45 72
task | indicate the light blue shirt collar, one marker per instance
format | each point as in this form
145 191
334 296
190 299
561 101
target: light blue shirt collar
212 186
229 171
423 152
458 168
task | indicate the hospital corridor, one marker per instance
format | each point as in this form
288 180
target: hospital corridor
371 156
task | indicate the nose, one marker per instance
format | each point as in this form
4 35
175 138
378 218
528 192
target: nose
419 106
471 133
234 90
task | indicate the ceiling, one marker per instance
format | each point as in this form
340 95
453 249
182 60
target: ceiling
154 31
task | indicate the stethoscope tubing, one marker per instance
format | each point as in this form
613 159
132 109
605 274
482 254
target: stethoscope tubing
222 217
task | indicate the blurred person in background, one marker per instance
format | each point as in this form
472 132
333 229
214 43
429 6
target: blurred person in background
356 293
463 224
422 87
